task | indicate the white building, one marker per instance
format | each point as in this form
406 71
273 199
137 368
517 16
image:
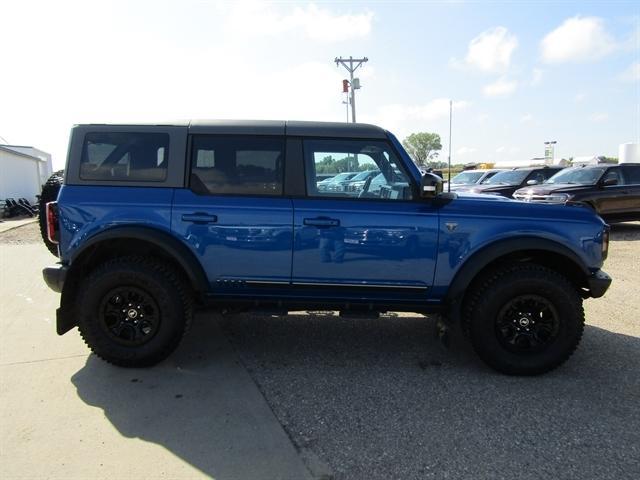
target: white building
629 153
23 170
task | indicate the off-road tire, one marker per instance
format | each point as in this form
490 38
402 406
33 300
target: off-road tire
492 293
165 288
49 194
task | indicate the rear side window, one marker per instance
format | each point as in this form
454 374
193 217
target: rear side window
632 174
238 165
113 156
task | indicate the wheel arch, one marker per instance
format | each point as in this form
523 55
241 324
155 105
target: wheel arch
130 239
126 240
535 250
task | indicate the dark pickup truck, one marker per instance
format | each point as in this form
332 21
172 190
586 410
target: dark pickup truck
506 182
613 191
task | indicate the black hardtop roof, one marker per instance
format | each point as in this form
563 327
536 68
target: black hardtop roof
268 127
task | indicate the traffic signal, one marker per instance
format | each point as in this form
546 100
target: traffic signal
345 86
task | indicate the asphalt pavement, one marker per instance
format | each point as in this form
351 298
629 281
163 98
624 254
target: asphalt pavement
383 399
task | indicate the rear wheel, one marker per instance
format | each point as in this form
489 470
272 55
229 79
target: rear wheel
133 311
524 319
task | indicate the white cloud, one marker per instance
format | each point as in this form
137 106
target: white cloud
500 88
430 111
465 150
578 39
482 117
536 77
599 117
490 51
579 97
403 119
526 118
254 19
631 74
507 150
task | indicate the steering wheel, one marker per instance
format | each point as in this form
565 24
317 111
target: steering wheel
365 187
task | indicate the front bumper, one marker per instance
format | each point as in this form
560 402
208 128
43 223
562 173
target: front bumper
599 282
54 276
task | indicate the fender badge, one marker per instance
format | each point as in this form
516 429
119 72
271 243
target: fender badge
451 226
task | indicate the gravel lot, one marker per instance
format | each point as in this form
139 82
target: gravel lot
381 399
374 399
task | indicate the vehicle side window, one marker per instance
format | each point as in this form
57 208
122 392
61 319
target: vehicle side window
548 173
632 174
538 176
613 173
125 156
237 164
357 169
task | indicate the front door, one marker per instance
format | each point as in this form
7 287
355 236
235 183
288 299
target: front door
370 237
234 216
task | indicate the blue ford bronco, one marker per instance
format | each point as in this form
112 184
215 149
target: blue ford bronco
155 220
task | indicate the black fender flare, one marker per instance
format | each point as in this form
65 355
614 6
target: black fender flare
175 249
492 252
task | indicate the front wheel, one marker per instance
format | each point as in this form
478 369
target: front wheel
524 319
133 311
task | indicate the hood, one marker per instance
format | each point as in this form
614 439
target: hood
485 188
547 188
483 197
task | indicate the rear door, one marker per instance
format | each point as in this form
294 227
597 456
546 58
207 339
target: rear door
612 198
631 203
233 215
377 240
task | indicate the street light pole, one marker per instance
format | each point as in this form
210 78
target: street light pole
348 63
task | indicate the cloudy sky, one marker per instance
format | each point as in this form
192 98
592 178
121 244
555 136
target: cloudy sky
519 74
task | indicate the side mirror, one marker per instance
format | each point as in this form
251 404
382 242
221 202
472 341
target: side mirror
609 182
430 186
532 182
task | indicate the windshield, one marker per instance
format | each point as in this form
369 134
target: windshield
511 177
467 177
579 176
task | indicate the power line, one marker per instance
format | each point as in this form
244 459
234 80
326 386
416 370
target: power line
348 63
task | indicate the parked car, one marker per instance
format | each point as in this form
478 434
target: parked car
324 180
506 182
343 185
611 190
149 227
357 182
472 177
335 184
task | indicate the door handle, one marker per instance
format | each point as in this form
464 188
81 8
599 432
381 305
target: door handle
322 222
199 218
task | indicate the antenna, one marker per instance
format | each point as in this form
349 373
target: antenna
450 121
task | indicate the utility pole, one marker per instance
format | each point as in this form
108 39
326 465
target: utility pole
348 63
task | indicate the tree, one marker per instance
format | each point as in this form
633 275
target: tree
423 146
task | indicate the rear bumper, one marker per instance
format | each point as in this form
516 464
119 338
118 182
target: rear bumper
599 282
54 276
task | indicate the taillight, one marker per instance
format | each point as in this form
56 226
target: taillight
605 242
52 221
